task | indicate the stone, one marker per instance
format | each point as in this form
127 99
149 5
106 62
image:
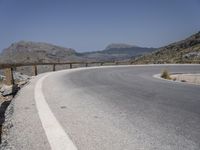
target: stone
10 90
22 83
4 87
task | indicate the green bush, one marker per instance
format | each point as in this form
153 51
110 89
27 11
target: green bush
166 75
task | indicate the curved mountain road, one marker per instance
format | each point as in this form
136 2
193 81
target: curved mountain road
112 108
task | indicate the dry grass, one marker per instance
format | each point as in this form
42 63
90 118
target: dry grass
166 75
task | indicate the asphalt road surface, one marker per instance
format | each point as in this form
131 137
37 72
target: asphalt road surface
111 108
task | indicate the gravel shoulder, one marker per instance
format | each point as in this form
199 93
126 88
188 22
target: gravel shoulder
22 117
7 98
188 78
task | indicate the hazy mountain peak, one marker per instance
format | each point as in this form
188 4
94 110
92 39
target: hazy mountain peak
28 51
119 45
35 46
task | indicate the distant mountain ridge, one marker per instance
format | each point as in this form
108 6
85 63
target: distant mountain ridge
119 45
117 52
26 51
185 51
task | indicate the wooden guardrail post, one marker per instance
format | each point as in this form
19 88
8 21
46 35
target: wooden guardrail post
70 65
35 72
54 67
8 73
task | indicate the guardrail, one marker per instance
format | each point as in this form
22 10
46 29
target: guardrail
8 68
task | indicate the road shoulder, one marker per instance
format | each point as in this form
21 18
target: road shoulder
26 131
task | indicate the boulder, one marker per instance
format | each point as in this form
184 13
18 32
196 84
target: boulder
9 90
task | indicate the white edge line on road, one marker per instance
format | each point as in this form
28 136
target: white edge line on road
55 133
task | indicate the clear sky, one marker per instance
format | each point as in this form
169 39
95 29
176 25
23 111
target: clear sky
87 25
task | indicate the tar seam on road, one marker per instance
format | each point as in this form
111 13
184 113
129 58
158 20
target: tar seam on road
55 133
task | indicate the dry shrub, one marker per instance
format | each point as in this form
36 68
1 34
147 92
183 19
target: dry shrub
166 75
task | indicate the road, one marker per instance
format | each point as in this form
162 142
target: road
109 108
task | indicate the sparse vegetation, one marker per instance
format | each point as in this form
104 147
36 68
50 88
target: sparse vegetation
166 75
186 51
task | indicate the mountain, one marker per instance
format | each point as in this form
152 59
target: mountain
185 51
117 52
24 52
118 45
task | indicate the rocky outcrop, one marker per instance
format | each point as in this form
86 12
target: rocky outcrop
185 51
24 52
20 80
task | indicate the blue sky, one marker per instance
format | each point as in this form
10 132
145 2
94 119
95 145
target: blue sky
87 25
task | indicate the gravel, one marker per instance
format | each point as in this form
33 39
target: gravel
7 94
6 127
188 78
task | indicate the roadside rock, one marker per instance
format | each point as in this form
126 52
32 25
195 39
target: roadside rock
10 90
192 55
6 110
19 77
5 88
20 81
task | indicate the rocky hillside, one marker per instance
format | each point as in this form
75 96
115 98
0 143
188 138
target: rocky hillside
22 51
185 51
117 52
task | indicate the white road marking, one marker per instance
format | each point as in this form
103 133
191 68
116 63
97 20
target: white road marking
55 133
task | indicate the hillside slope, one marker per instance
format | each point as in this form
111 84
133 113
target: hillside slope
185 51
23 52
117 52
